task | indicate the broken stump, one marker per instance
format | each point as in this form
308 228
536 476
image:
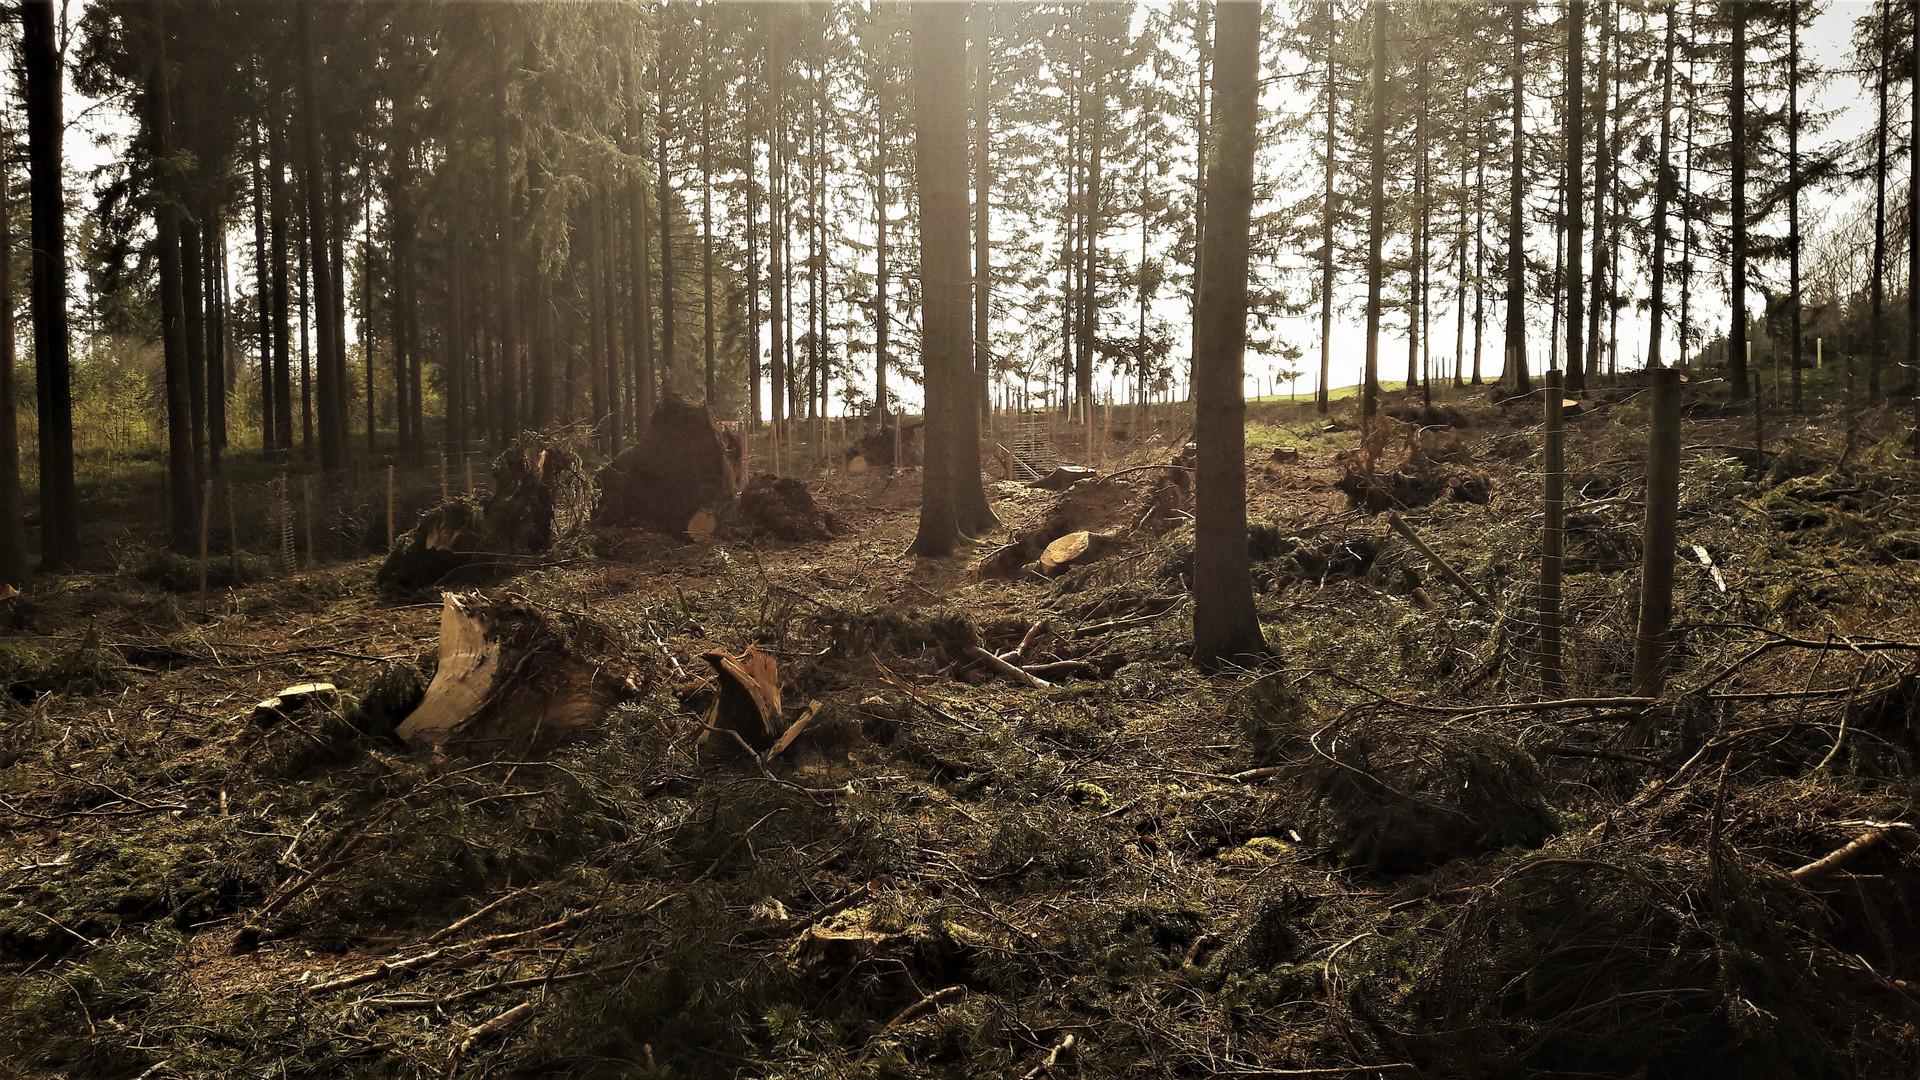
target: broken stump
515 680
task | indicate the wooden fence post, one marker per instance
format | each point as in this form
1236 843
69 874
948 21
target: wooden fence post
1654 642
1554 505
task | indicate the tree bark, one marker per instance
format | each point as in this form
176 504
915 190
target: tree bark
1662 189
1330 103
940 108
1576 190
1225 624
183 480
1376 206
53 374
1878 356
1737 112
1516 343
13 535
331 409
982 206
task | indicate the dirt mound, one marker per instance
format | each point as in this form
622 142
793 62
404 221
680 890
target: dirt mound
782 507
685 464
1434 465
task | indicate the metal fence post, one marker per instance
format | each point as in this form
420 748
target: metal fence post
1554 506
1654 643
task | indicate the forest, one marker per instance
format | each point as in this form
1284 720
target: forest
885 538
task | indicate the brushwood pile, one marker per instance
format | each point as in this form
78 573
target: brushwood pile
595 790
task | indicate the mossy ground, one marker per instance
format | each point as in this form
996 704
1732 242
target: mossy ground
1077 861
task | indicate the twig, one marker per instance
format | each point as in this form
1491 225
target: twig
907 1014
1019 654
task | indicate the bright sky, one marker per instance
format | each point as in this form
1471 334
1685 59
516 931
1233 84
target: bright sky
98 132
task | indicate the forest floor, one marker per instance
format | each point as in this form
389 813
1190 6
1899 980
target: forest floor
1382 855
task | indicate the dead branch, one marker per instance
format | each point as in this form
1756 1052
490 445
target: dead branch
907 1014
1399 525
491 1027
1841 856
1053 1057
1001 667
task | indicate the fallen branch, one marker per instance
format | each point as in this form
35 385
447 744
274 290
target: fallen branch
1003 668
1061 667
1053 1057
1841 856
1399 525
1138 620
907 1014
1019 654
491 1027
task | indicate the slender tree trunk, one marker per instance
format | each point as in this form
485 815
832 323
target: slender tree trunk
1878 356
331 408
1602 167
183 480
1686 198
1225 624
59 502
1737 111
508 295
1662 188
1376 205
193 323
1460 283
642 257
262 287
881 278
279 225
1479 260
706 231
1793 179
1516 344
1912 381
666 229
213 273
982 190
1330 104
1203 40
776 220
753 268
1576 164
13 534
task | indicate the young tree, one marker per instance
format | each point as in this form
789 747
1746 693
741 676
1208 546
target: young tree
1225 624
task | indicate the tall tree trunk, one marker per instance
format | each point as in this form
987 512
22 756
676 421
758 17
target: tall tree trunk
53 373
331 408
1479 259
1225 625
1912 381
13 534
1329 103
1686 196
753 266
507 295
305 245
183 480
1416 301
1376 205
1879 353
1576 188
1203 42
193 322
212 236
1460 283
1516 343
279 225
881 314
1793 179
940 121
1662 189
666 229
1737 112
776 219
263 288
982 207
642 258
1603 166
706 229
